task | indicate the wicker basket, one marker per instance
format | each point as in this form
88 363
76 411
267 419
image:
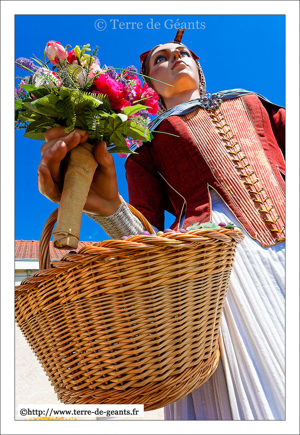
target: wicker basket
129 322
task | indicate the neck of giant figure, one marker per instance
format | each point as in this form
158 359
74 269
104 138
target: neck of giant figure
181 97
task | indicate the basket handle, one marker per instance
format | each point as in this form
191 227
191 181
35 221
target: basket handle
44 244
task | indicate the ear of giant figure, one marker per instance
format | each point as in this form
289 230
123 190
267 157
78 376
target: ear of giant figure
175 64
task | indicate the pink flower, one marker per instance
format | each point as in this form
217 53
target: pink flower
95 68
151 99
128 146
114 90
72 58
124 103
57 81
53 50
138 143
134 89
81 78
41 78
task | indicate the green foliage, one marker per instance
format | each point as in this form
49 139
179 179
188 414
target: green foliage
204 225
60 106
130 110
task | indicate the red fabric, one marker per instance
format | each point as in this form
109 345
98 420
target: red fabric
146 188
179 162
269 123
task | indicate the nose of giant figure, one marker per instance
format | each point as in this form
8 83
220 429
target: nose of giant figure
175 55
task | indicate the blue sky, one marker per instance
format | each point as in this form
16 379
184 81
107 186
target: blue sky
236 51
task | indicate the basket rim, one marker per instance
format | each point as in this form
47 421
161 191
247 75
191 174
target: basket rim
140 242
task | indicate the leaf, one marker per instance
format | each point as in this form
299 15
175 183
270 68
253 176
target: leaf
28 116
40 92
123 117
42 110
194 226
122 128
109 128
121 150
130 110
18 104
28 88
42 122
229 225
118 140
35 135
209 226
204 225
117 122
40 62
137 132
47 100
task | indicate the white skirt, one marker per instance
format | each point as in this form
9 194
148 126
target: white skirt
249 383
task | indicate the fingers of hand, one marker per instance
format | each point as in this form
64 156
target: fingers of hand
58 132
46 185
105 179
103 157
52 158
71 140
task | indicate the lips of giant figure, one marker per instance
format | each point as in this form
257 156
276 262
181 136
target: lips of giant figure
173 63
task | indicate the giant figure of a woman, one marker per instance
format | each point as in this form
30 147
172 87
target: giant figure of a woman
223 162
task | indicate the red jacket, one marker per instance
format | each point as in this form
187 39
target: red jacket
237 150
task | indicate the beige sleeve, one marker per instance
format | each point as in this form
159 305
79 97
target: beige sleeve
121 223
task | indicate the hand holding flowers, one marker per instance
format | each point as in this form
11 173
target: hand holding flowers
75 102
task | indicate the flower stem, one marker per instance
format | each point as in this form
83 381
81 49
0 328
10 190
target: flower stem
164 132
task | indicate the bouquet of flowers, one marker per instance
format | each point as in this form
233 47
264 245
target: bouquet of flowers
110 103
78 93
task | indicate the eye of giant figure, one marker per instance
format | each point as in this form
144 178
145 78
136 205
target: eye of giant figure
173 63
160 57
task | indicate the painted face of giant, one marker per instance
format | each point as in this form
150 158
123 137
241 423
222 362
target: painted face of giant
174 64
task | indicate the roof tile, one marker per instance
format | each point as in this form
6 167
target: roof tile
29 249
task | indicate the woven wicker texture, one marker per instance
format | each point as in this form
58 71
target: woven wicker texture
134 321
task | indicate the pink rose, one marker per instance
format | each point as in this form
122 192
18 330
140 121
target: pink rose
151 99
53 50
114 90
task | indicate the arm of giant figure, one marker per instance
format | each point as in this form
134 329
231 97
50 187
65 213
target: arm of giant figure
146 194
277 118
145 187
